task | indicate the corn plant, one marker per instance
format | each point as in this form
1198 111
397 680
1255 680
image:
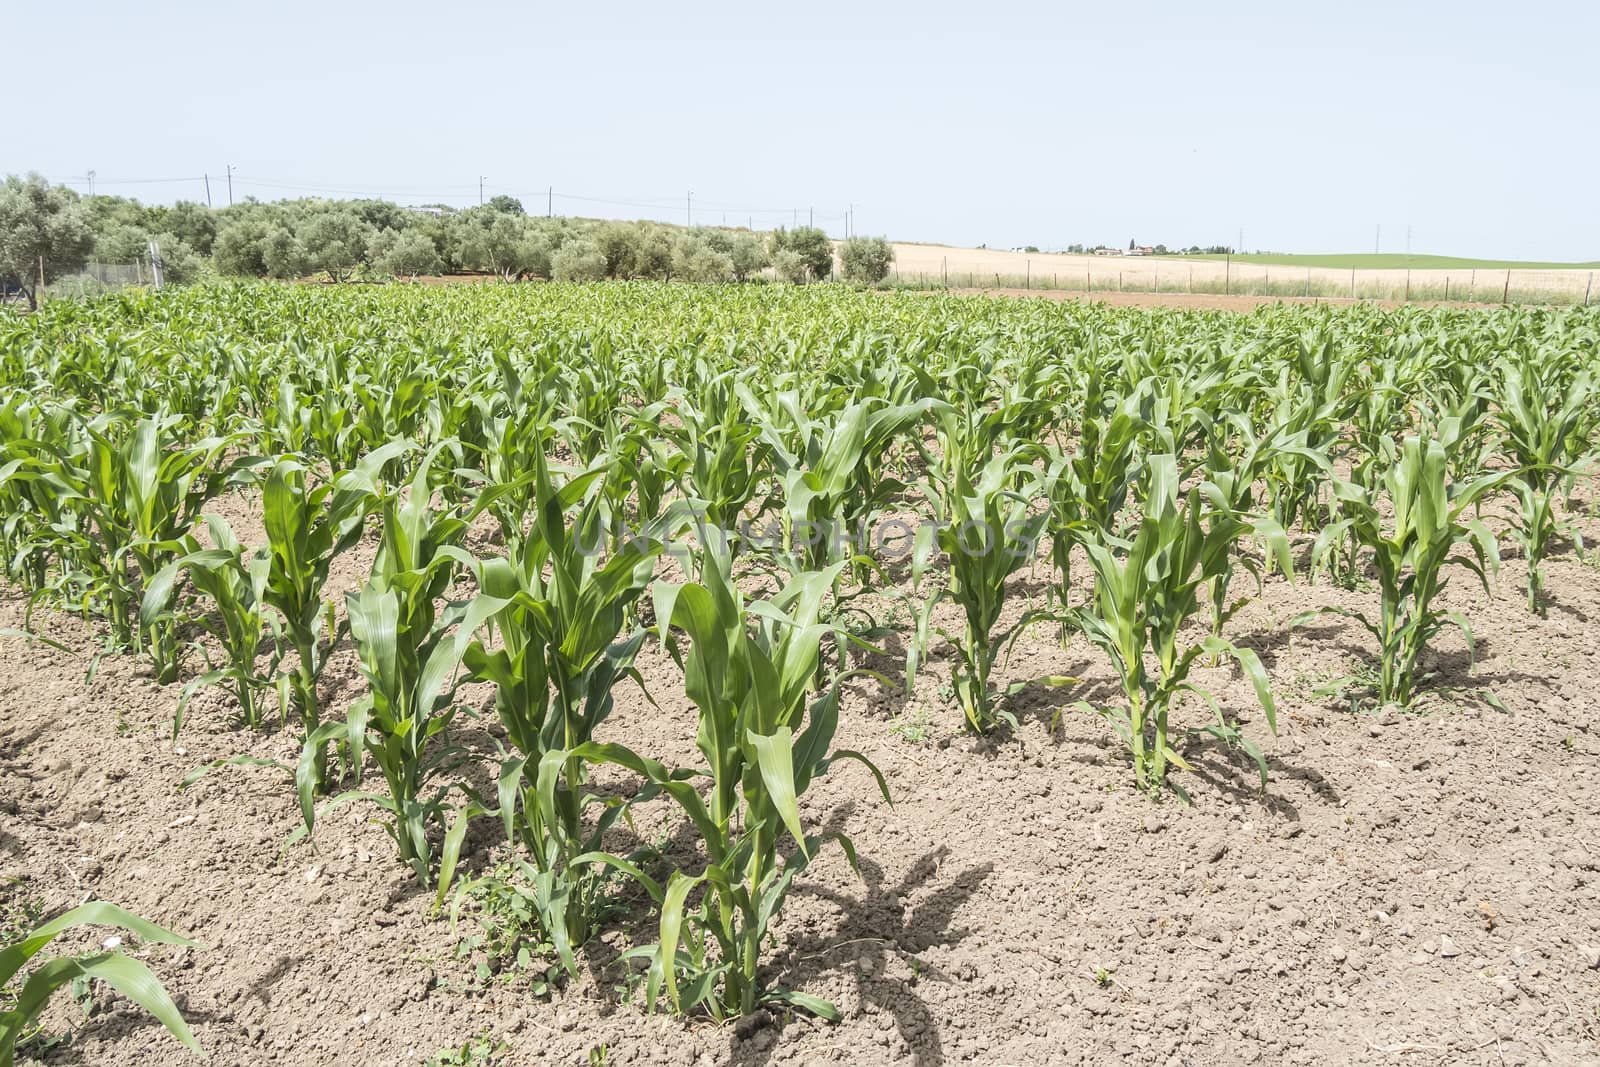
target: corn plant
19 1016
1547 429
1145 591
830 469
38 512
1088 487
748 669
1412 525
726 459
127 489
641 470
559 613
1231 475
516 444
1307 407
307 527
987 529
409 654
234 581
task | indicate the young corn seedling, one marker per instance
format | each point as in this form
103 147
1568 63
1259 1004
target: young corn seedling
516 444
307 528
561 616
1089 487
138 486
1231 477
1146 590
987 531
1412 525
727 461
234 580
833 484
1547 429
748 669
35 505
19 1018
1307 408
409 655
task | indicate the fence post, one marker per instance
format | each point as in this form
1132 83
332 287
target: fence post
1027 274
1227 276
1505 294
1472 286
1352 283
1447 288
1088 282
1408 285
944 270
1119 281
1588 289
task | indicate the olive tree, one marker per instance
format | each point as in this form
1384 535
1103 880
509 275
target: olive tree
43 231
791 266
408 252
812 247
695 259
578 260
500 242
283 254
747 257
866 259
240 247
335 240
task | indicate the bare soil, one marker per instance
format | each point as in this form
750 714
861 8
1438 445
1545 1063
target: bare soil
1416 888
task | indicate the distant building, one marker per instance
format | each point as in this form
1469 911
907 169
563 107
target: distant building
1142 250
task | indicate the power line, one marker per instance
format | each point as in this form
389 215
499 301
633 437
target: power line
80 179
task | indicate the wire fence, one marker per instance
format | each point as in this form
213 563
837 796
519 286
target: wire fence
98 277
1221 278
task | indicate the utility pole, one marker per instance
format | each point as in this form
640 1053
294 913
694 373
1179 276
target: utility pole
481 178
811 217
850 222
688 209
230 184
1377 239
208 190
550 202
91 183
1240 249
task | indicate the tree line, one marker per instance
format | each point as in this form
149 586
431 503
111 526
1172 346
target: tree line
48 232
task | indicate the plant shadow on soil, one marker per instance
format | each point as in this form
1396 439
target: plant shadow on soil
874 925
120 1023
1232 773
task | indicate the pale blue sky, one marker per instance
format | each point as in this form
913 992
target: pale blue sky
999 123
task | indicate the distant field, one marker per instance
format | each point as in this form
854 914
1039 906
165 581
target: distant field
1368 277
1395 261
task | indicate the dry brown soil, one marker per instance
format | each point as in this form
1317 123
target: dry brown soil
1413 888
